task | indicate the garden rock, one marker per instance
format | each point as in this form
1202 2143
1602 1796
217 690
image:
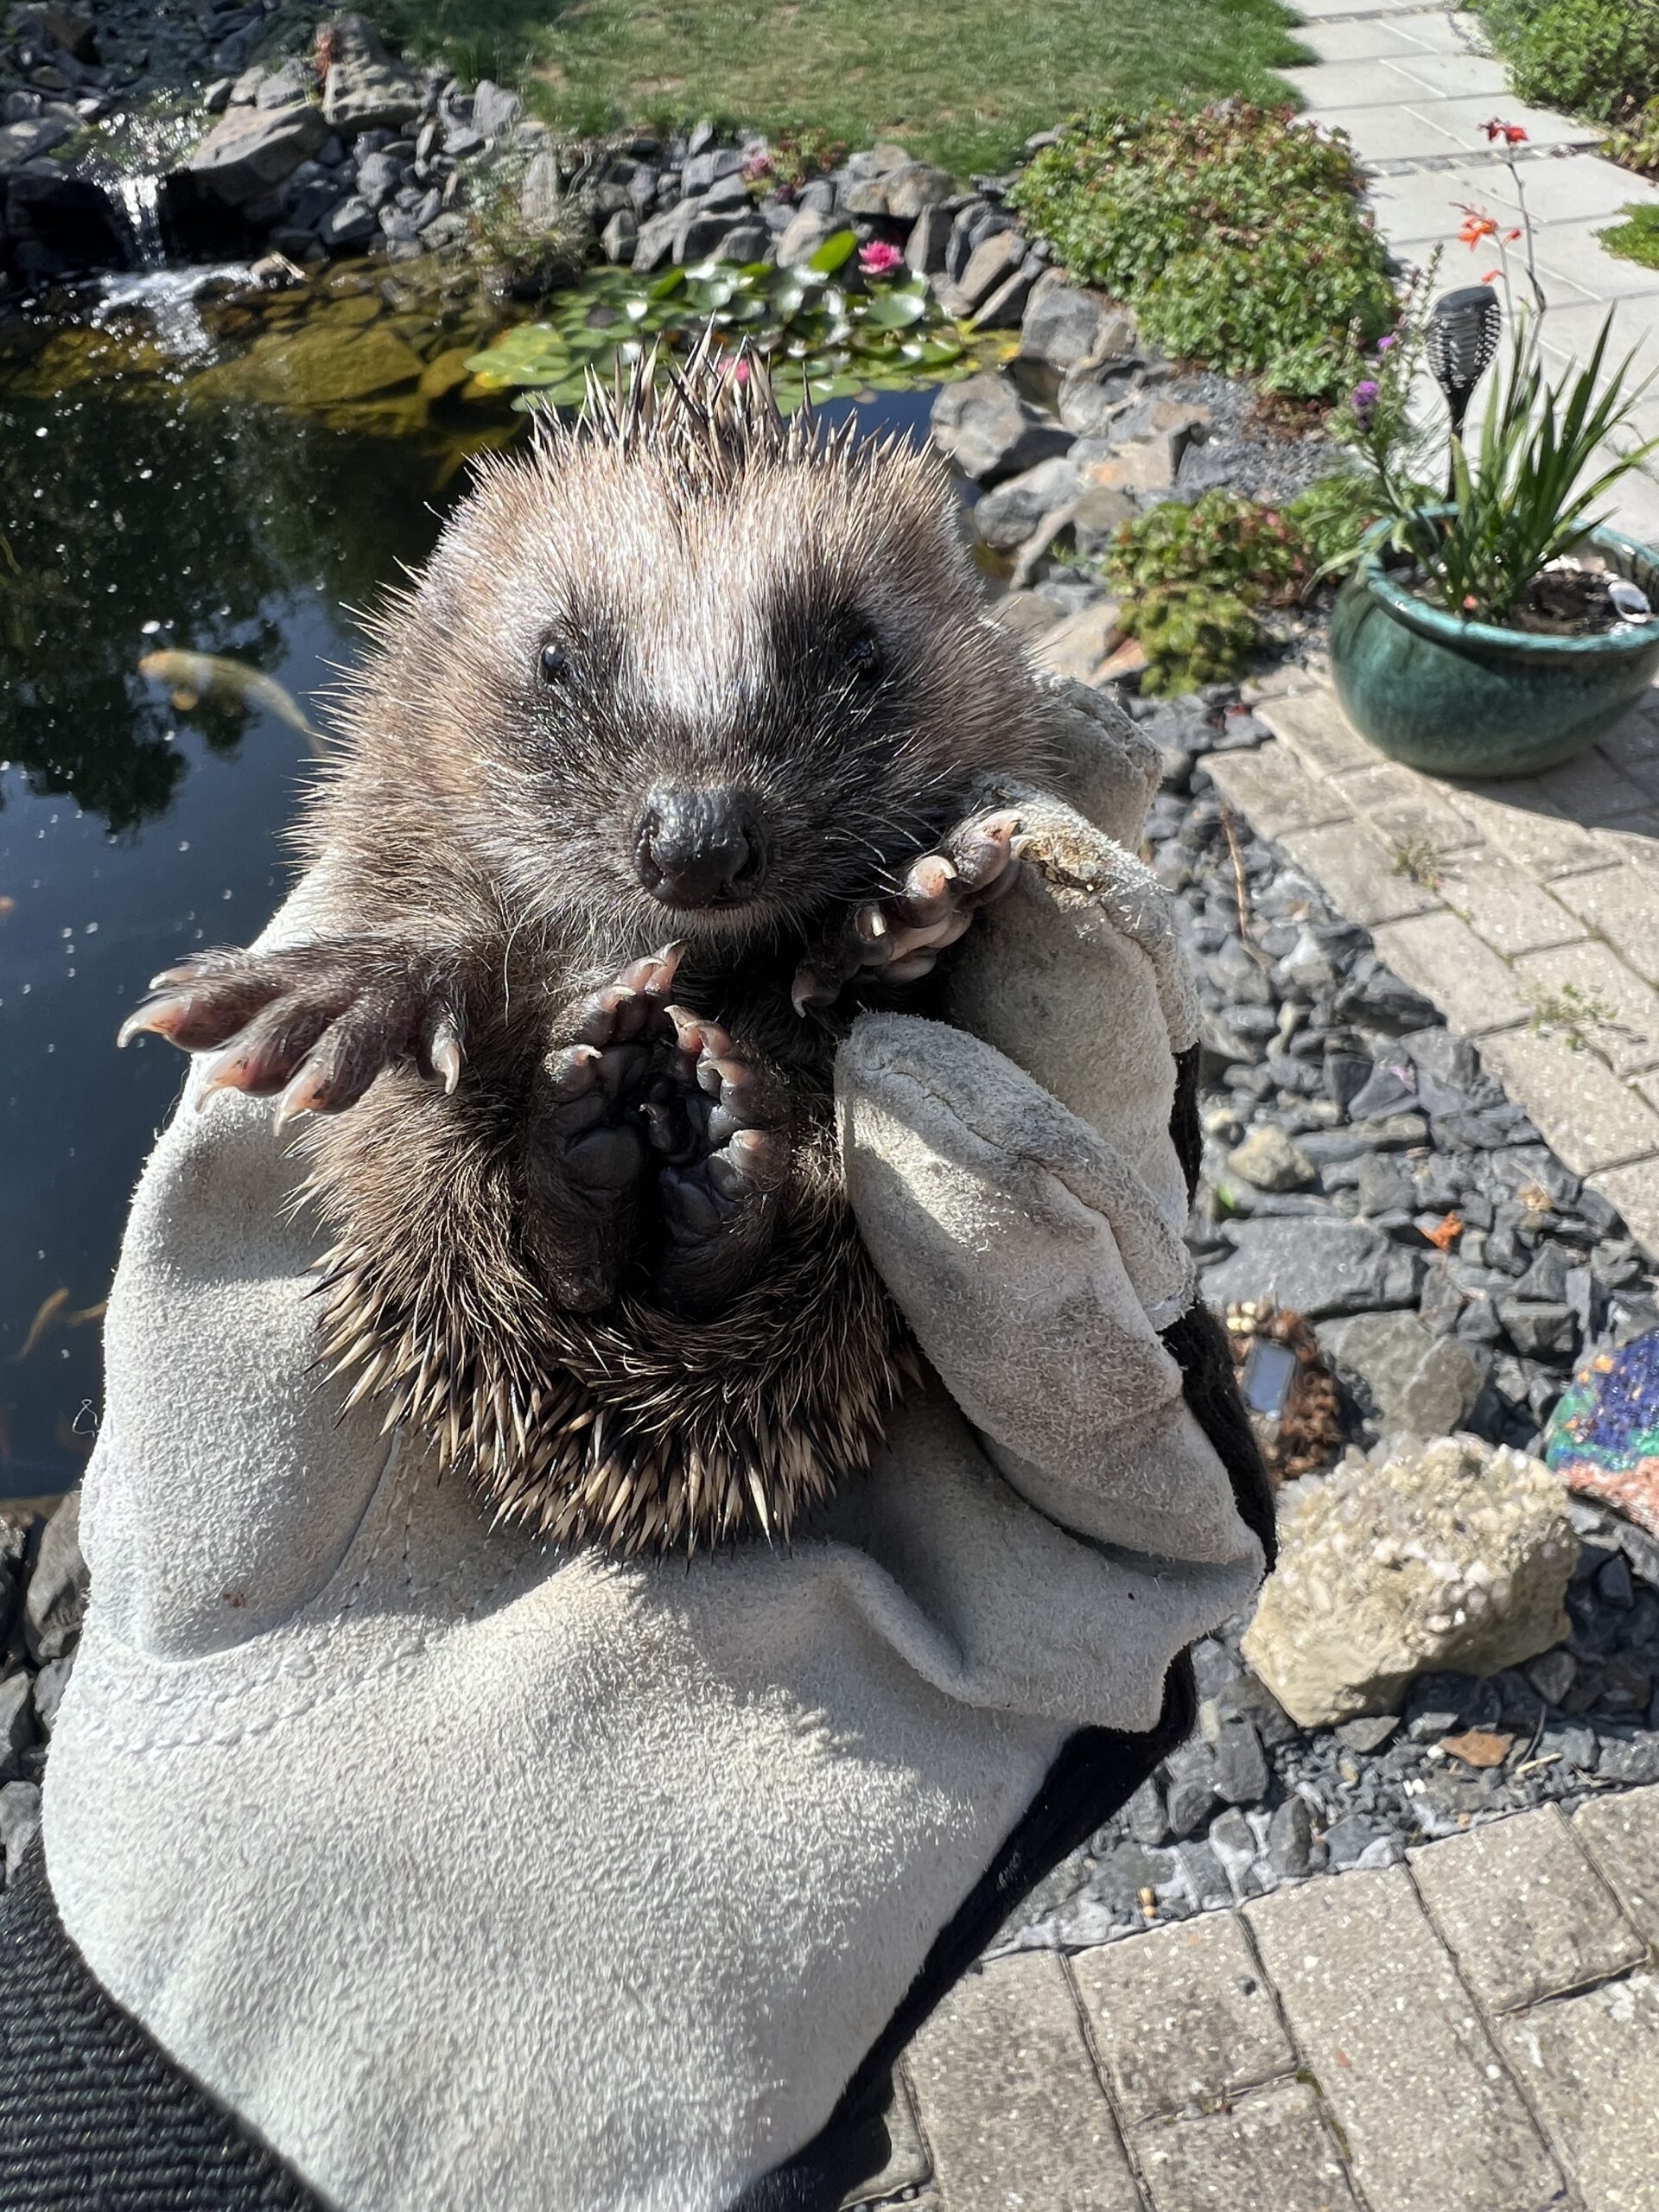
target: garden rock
987 270
990 432
1064 327
616 241
1410 1379
281 87
56 1598
1319 1267
915 188
27 141
20 1822
1270 1161
924 247
1078 643
351 223
365 89
541 196
254 149
807 231
1008 515
495 110
1448 1555
16 1724
1003 309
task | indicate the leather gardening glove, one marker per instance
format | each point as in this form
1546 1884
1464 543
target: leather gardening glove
429 1869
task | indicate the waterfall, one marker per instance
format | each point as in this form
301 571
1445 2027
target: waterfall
141 198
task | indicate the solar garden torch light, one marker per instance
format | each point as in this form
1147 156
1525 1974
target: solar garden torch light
1460 343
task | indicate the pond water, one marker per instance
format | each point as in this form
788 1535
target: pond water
139 513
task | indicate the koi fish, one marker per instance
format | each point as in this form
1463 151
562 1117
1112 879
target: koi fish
191 677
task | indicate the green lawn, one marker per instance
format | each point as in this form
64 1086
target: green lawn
962 81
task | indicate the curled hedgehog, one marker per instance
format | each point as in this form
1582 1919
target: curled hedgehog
665 767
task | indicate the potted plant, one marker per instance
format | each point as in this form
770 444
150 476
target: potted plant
1502 627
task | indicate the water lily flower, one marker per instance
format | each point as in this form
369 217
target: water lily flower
878 258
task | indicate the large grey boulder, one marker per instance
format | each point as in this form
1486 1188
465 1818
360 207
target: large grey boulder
990 432
365 89
1453 1555
807 231
254 149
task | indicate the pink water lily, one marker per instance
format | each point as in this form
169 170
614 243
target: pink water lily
878 258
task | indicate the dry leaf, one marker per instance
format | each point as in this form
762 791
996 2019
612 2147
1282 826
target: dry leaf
1478 1746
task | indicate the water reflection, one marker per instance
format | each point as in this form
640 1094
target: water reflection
130 829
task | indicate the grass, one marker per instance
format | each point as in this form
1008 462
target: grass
960 82
1637 239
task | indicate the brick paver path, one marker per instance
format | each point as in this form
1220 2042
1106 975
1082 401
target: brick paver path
1412 84
1528 909
1474 2030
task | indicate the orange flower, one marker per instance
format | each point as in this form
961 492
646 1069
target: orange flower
1477 225
1491 275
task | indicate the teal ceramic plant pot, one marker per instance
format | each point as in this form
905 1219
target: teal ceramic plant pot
1469 699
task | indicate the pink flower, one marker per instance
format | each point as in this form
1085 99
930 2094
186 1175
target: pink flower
880 259
1383 344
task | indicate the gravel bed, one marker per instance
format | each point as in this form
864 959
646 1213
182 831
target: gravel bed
1310 1037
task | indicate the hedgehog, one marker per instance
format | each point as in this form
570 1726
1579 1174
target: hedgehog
663 767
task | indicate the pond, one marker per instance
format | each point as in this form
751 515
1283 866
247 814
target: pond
141 512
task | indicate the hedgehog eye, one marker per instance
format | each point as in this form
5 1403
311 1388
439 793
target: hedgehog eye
553 662
862 656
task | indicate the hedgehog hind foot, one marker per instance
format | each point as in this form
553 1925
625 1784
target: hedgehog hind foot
721 1121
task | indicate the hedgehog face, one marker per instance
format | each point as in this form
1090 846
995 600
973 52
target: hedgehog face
708 679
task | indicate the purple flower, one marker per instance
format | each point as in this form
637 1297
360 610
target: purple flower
1383 344
1363 400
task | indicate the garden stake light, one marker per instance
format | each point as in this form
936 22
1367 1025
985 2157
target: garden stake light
1460 343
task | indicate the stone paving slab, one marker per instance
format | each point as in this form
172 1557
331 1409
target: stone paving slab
1272 2150
1527 909
1432 2121
1182 2018
1475 2031
1527 1913
1010 2103
1622 1836
1589 2066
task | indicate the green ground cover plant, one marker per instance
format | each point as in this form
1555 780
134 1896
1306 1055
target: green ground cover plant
1236 235
1637 239
958 81
1191 580
1595 58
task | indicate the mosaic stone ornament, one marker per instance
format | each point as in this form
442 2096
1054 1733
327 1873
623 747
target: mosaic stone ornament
1603 1435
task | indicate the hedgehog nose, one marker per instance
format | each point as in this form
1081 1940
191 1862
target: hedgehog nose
698 848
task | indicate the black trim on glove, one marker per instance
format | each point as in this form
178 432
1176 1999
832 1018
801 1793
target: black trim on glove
95 2116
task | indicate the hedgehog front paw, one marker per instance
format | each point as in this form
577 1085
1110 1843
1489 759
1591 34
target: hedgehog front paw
721 1122
898 938
316 1022
595 1081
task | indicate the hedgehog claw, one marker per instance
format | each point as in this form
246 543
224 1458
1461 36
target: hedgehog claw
899 938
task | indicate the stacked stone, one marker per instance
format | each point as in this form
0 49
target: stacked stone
42 1596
